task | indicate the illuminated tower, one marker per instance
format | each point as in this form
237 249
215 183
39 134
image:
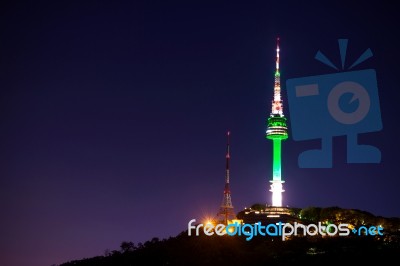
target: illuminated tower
226 212
277 131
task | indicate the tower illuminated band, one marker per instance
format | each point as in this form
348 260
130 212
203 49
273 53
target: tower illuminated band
277 131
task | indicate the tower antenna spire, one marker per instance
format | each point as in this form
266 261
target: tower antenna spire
277 54
228 157
277 102
277 131
226 211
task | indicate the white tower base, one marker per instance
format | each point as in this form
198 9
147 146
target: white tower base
277 189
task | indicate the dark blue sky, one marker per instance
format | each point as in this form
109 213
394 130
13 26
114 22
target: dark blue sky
113 116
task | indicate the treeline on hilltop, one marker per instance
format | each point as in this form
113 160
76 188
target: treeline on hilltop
235 250
337 215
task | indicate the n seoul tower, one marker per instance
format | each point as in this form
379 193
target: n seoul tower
277 131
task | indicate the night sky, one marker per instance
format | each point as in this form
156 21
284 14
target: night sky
113 117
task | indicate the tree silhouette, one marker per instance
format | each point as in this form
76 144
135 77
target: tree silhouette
127 246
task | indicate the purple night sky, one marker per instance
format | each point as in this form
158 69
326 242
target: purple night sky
113 117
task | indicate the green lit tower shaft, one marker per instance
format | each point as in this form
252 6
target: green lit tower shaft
277 131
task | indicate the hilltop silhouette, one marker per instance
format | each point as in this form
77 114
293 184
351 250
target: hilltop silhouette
265 250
